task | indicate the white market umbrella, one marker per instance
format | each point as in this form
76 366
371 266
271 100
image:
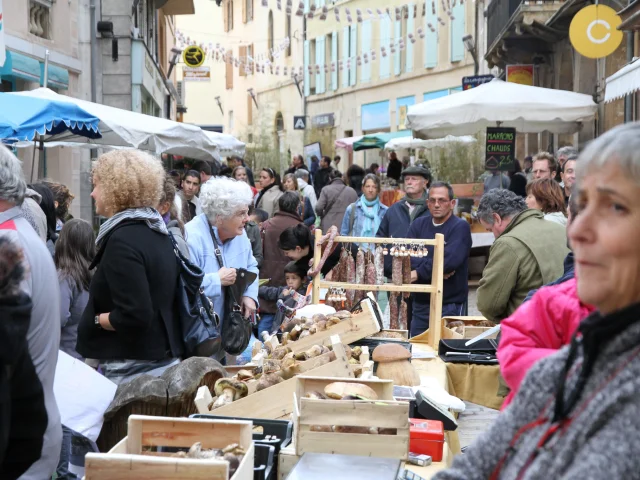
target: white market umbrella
497 103
228 145
125 129
411 142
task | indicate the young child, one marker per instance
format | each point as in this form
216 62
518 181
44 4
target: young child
295 279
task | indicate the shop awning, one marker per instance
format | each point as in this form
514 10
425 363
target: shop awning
21 66
623 82
176 7
378 140
58 77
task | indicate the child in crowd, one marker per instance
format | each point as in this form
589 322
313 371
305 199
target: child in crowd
295 279
74 252
257 215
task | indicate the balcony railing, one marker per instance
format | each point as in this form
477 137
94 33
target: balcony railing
499 13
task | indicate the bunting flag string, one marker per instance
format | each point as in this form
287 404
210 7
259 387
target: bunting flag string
265 63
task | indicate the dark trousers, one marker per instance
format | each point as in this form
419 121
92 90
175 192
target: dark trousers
421 312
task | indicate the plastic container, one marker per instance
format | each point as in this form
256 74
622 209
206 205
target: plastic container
263 462
282 430
426 437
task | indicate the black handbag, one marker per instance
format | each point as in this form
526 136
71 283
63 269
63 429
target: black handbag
236 330
198 320
483 352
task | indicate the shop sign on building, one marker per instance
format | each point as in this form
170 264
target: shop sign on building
197 74
475 80
522 74
323 121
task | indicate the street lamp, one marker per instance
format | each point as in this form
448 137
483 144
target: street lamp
252 92
470 45
174 59
219 104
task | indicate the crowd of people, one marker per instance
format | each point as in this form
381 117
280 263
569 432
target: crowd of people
109 296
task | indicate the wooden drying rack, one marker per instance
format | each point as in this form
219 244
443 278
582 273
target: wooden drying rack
435 288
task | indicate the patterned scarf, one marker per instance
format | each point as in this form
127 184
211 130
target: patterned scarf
149 215
371 216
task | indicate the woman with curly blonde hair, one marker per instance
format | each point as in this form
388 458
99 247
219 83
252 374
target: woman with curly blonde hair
131 323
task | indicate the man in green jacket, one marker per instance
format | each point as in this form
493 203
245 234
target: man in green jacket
528 252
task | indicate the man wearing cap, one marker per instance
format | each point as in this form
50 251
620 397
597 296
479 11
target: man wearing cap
400 215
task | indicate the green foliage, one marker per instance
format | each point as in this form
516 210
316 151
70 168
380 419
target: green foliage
456 163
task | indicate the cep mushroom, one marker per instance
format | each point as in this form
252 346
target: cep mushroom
393 364
339 390
267 380
229 390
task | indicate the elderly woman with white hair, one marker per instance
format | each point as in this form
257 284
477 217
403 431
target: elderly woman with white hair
225 204
576 415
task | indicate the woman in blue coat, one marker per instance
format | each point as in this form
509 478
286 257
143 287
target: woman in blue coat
362 218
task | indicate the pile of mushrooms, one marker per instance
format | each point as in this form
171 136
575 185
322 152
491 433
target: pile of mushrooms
299 328
279 365
348 391
231 453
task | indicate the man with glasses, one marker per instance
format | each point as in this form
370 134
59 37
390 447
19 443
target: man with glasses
544 166
457 237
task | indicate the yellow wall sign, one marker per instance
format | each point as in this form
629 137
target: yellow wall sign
193 56
594 33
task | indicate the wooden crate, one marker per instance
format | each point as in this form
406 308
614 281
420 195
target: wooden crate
277 401
471 330
287 459
128 460
384 413
360 325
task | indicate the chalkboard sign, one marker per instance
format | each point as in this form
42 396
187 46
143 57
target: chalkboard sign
501 149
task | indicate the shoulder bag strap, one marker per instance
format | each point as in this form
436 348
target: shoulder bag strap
216 248
352 217
334 200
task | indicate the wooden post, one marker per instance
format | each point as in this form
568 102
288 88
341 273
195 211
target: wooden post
317 255
435 312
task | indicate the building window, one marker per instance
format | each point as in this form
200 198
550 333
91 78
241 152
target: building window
270 33
39 19
312 62
288 34
279 122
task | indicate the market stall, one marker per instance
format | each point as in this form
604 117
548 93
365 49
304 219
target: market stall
510 105
127 129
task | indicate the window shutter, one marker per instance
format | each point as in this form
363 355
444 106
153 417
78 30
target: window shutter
244 11
334 60
306 6
457 32
242 52
319 3
431 38
229 70
410 29
320 60
306 69
398 55
346 33
249 110
366 48
353 53
225 8
253 63
385 41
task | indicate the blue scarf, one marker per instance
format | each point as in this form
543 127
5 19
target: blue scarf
371 216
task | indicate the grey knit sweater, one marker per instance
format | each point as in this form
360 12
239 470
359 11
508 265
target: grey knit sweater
602 437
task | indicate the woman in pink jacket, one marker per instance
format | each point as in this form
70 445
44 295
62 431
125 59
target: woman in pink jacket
537 329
